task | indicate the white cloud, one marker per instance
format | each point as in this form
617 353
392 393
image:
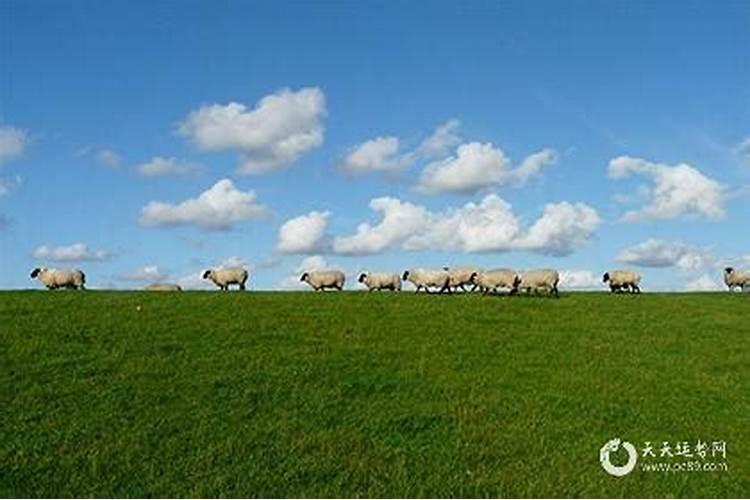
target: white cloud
108 158
477 166
303 234
150 273
443 139
7 185
489 226
562 228
705 283
660 253
677 190
580 279
219 207
13 142
277 131
383 154
159 166
742 150
376 155
74 252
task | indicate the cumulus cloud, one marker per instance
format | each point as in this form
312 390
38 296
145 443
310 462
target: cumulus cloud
160 166
580 280
217 208
487 226
150 273
276 132
742 150
477 166
70 253
661 253
677 190
108 158
13 142
303 234
384 155
8 185
705 283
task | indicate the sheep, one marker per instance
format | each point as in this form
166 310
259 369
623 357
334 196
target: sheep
460 276
227 276
619 280
321 280
60 278
428 278
381 281
536 279
490 281
736 278
163 287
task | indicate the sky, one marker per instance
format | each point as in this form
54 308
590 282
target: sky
147 141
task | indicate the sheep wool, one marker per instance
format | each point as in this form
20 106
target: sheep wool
619 280
320 280
735 278
227 276
491 281
381 281
60 278
426 278
538 279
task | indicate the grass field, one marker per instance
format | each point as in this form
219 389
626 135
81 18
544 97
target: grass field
350 394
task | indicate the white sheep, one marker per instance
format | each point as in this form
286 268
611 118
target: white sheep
163 287
321 280
491 281
736 278
622 280
459 277
381 281
426 278
537 279
227 276
60 278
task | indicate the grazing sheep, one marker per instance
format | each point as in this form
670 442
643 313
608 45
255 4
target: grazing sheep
619 280
537 279
321 280
490 281
426 278
163 287
736 278
381 281
460 276
227 276
60 278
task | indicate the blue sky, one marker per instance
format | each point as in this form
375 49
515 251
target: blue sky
583 136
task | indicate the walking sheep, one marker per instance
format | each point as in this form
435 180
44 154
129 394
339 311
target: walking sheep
491 281
736 278
537 279
60 278
619 280
459 277
381 281
163 287
321 280
227 276
426 278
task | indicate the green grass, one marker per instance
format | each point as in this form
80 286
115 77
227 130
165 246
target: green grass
350 394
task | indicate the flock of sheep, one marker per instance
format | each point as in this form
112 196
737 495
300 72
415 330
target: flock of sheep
431 280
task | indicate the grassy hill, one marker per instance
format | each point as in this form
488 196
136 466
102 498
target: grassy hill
350 394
